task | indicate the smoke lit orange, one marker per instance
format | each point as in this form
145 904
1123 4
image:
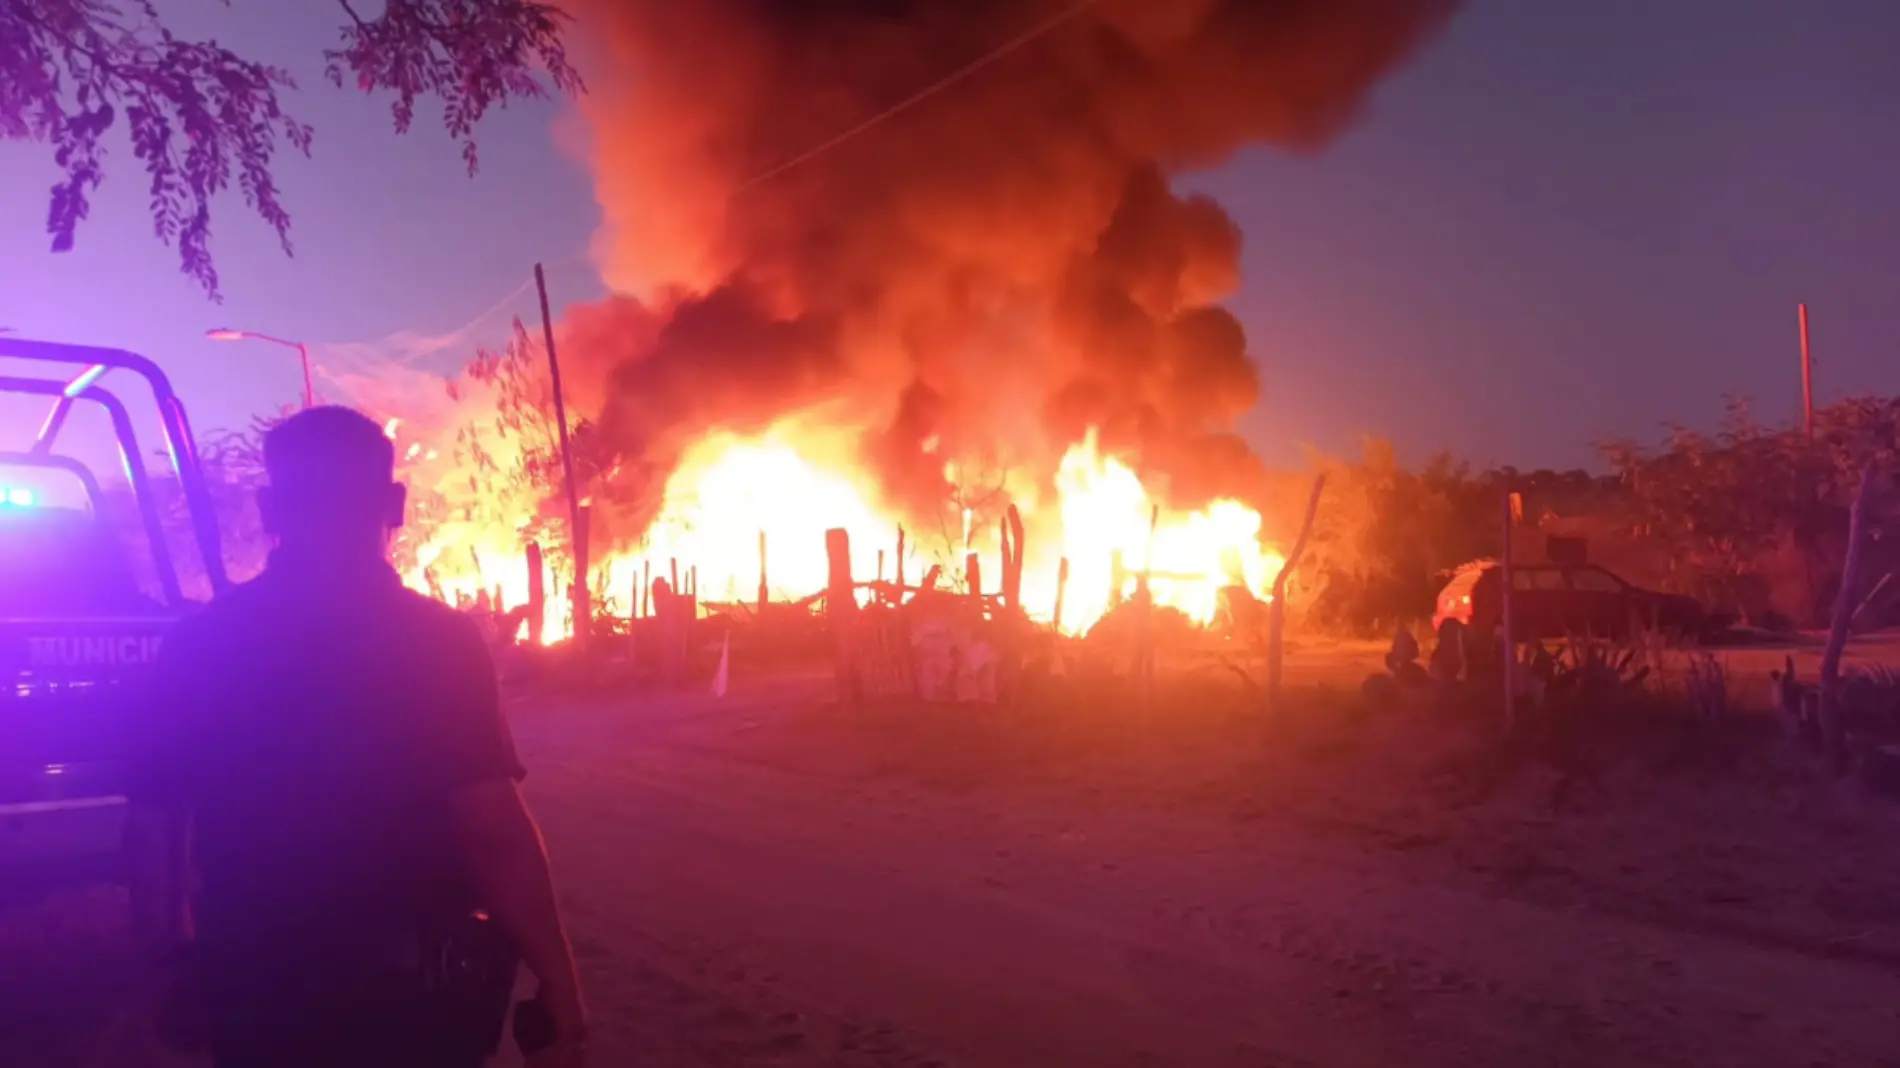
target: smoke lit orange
1006 267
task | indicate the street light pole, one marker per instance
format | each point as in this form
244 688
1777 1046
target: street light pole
1807 377
309 389
303 355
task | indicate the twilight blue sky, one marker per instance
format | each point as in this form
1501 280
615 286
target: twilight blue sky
1565 221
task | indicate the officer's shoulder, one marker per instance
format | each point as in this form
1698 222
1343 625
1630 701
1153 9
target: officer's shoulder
225 611
431 618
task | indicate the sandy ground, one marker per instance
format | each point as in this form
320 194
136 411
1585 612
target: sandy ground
771 881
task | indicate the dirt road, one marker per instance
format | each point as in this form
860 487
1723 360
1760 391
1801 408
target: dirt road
767 882
750 891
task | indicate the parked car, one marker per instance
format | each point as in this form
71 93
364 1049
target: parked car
1557 600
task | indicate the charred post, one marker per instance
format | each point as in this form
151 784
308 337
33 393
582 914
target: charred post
668 621
582 590
1002 532
537 595
764 597
1276 609
1062 590
1145 609
841 612
1013 565
635 596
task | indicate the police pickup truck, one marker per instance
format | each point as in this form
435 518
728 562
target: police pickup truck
80 625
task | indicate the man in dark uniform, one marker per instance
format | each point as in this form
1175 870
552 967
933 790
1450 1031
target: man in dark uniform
328 752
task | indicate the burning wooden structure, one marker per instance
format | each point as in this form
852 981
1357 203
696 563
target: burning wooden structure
951 634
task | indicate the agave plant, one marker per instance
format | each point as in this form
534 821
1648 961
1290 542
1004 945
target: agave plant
1588 670
1708 686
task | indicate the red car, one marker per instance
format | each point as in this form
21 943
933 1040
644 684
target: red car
1557 600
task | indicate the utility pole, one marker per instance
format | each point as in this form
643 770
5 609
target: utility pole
1507 575
1807 377
583 602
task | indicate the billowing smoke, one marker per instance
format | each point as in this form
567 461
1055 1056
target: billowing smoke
995 267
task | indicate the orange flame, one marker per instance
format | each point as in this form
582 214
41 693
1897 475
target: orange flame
793 483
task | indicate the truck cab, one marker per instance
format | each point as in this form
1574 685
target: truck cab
87 593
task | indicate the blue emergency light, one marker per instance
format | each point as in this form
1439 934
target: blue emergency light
16 496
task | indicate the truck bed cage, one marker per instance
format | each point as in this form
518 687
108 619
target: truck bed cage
87 364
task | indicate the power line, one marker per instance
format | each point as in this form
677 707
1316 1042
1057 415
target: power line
456 334
1007 47
421 347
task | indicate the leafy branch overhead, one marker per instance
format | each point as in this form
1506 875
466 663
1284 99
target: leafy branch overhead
202 119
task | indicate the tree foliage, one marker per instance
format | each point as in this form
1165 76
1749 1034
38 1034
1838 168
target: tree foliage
511 458
1387 536
233 464
1750 516
516 457
202 118
1755 513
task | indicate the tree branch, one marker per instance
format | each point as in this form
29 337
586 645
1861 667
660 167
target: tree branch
202 118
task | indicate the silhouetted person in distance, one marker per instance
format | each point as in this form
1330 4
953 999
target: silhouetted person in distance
327 749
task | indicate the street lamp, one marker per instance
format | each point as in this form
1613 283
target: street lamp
225 333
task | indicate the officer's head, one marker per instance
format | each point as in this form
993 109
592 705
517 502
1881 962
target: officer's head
332 482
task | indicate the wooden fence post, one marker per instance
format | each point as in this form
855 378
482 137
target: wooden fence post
841 613
1013 558
1507 576
1276 608
633 624
537 595
580 594
1833 733
1062 590
1144 668
764 597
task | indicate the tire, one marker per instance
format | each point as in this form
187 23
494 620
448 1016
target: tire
1635 622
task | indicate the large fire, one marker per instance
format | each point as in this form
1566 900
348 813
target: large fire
1006 264
734 498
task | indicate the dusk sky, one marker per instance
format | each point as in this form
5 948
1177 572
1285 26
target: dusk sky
1564 222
